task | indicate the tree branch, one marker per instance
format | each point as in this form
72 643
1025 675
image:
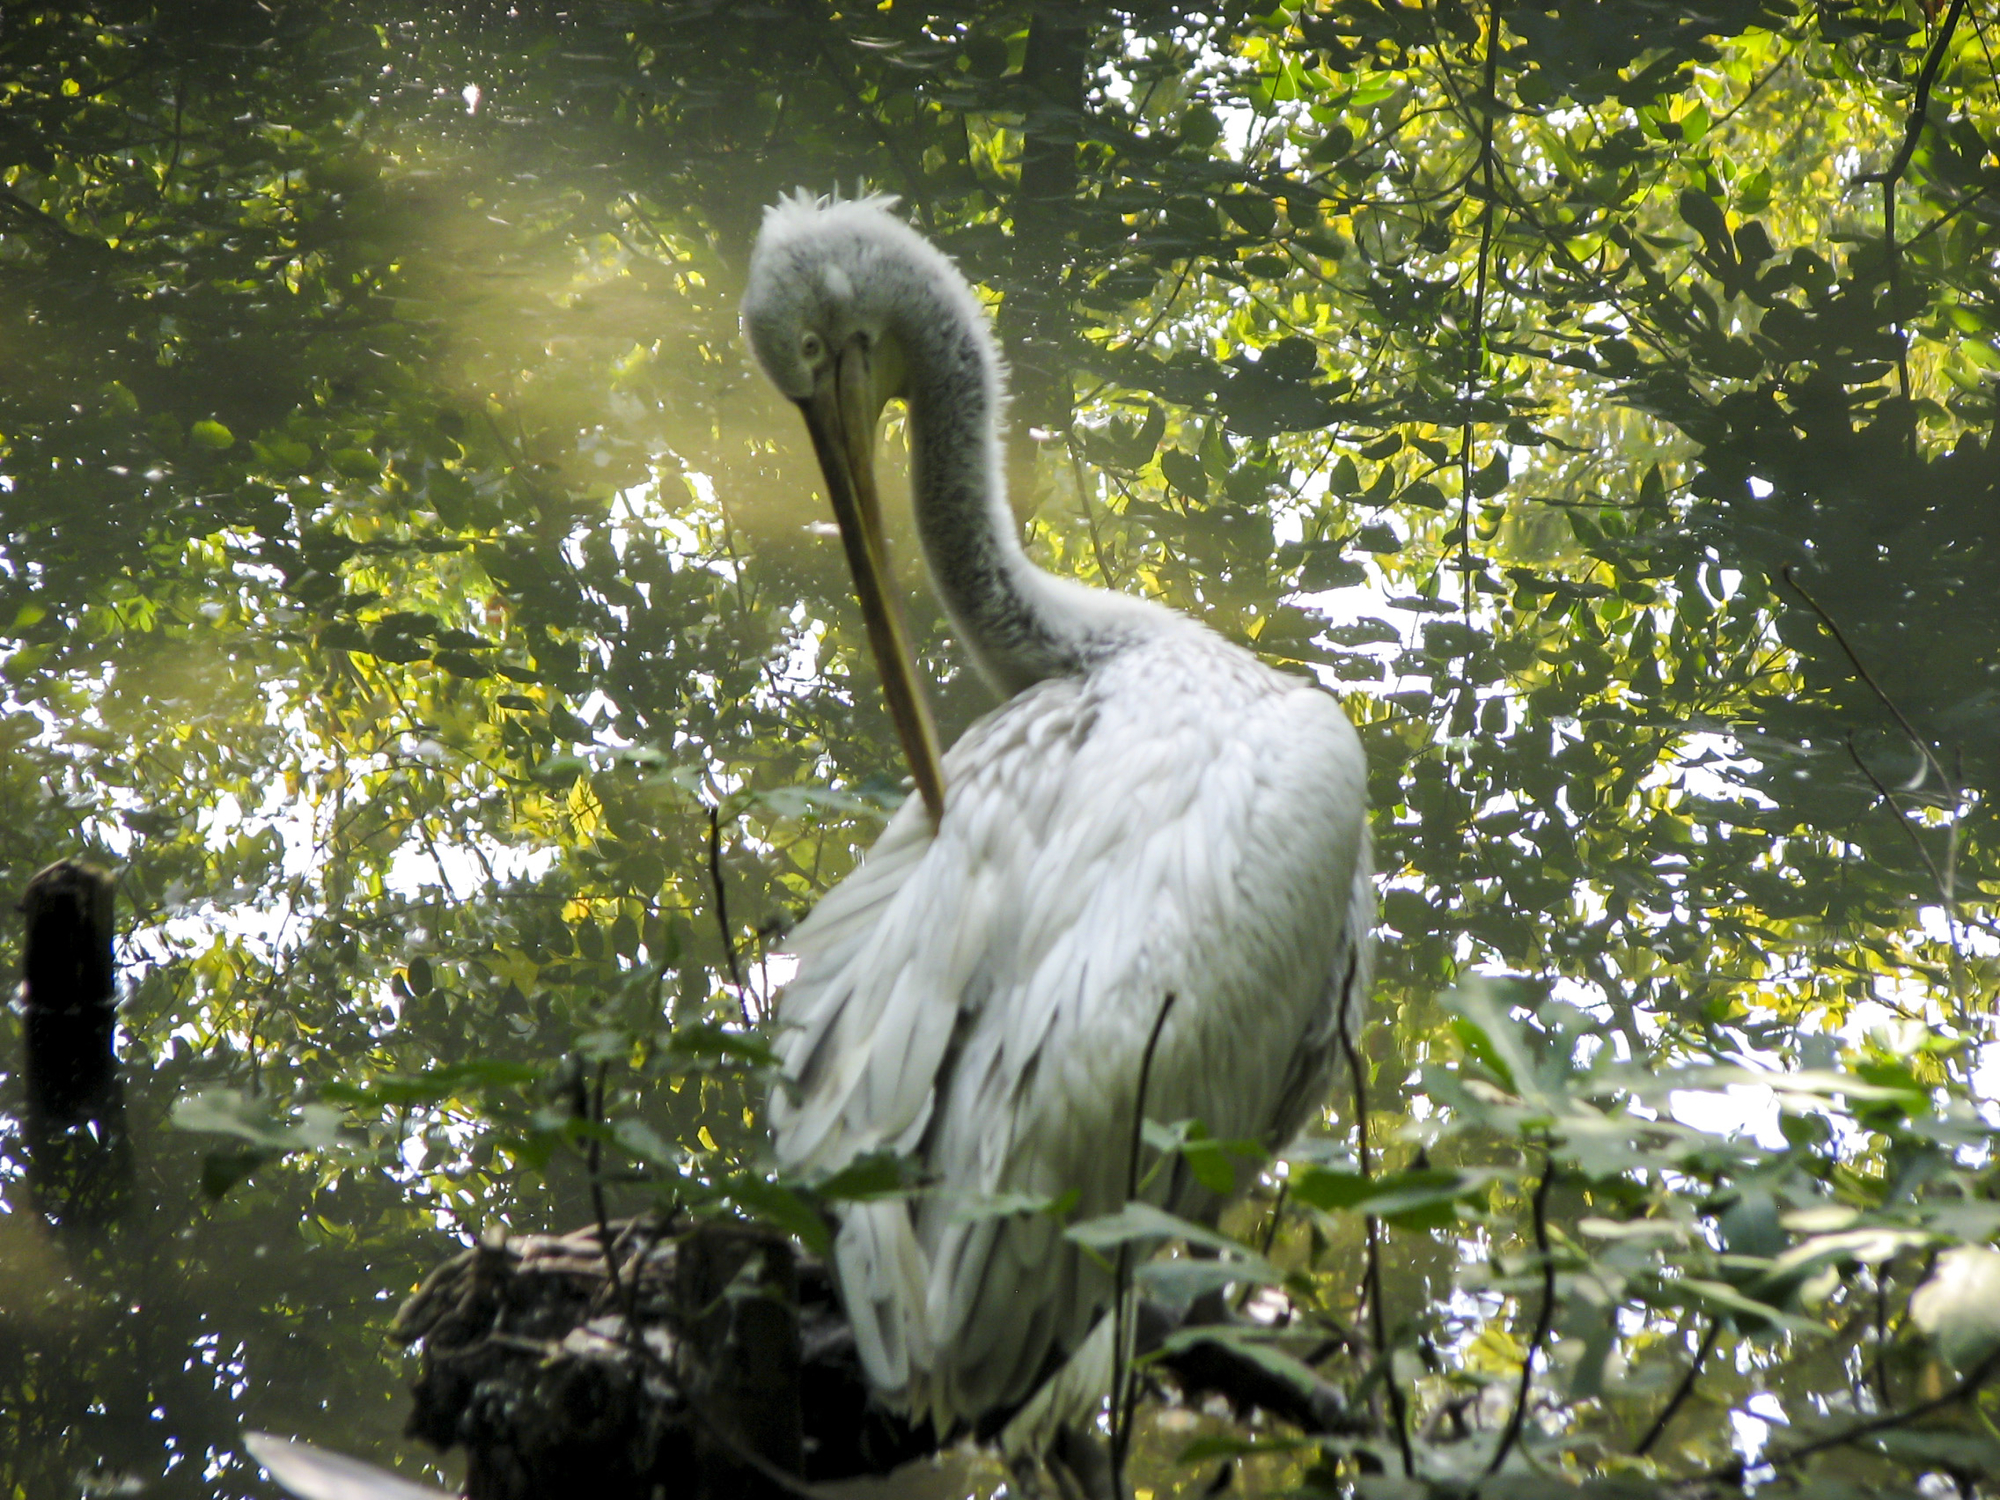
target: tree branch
1475 348
722 913
1122 1398
1789 574
1963 1391
1912 133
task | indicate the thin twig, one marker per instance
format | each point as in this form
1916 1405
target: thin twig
1881 1360
1277 1217
1752 92
40 218
1902 818
636 1344
722 913
1475 347
1121 1399
1270 1238
1788 573
174 160
1544 1318
1681 1392
1963 1391
791 1484
1377 1319
1947 893
593 1156
1089 511
1912 133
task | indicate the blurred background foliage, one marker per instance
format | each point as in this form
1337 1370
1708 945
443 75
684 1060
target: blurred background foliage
410 590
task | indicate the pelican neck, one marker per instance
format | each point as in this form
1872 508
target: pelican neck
1020 625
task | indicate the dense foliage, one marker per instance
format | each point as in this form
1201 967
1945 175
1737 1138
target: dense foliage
409 588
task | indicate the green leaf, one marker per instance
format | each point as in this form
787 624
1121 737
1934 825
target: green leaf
1223 1445
703 1043
970 1208
1146 1227
1720 1298
459 664
1180 1281
1254 214
253 1118
1958 1308
1489 1033
222 1170
807 801
780 1207
1491 479
640 1140
1419 1198
879 1174
1184 472
1705 216
1424 495
432 1086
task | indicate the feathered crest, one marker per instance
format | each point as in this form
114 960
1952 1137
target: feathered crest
802 203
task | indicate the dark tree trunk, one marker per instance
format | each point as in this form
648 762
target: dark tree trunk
1035 319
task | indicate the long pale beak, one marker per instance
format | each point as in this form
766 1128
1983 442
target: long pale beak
842 423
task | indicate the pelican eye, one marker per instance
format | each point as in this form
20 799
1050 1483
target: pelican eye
811 348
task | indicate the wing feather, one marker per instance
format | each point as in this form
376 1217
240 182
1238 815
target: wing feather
1180 820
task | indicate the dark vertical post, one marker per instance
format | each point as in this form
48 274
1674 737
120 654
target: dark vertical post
737 1292
79 1158
1035 315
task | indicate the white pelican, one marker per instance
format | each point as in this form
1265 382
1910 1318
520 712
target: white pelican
1150 812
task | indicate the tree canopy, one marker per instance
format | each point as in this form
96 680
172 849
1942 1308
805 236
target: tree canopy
410 589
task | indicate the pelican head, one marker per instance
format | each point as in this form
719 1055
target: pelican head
828 280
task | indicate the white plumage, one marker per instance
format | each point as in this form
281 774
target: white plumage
1151 812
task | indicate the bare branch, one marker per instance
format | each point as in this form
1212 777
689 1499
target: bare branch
1923 748
1124 1392
1475 346
1965 1390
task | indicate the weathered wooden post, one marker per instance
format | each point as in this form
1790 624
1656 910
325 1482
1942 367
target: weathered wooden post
79 1158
